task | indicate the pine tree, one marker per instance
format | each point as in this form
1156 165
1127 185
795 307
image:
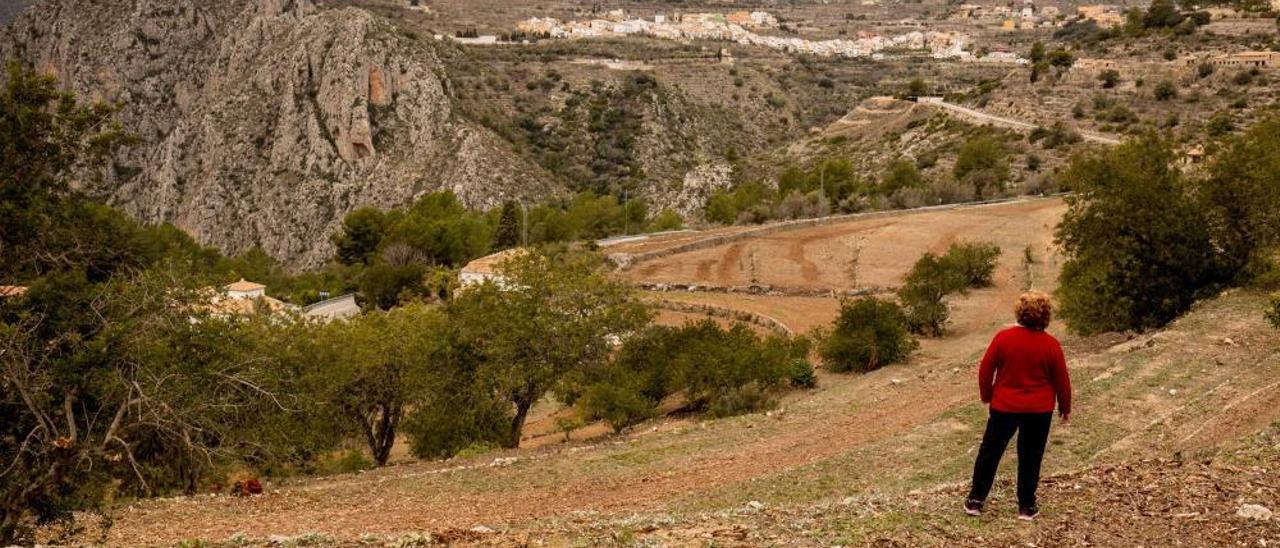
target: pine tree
508 227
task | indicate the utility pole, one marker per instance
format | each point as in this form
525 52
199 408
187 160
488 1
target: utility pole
626 215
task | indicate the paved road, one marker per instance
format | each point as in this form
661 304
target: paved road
1010 123
335 308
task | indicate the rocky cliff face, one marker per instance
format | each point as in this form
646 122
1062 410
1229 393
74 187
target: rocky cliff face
263 121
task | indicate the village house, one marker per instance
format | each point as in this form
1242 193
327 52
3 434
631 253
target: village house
244 290
1192 155
537 25
485 269
1104 15
1248 59
243 298
7 291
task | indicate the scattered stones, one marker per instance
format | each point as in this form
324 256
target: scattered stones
755 506
1255 511
482 530
504 461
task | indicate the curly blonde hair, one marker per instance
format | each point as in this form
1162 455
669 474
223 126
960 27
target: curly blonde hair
1034 311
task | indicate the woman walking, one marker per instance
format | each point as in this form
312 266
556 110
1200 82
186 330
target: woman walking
1022 375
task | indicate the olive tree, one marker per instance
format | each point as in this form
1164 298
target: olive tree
374 368
553 316
1139 245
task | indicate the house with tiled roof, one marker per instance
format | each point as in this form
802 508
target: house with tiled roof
244 290
486 268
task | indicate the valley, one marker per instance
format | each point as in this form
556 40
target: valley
842 459
635 272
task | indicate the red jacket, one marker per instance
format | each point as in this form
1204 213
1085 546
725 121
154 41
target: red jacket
1023 371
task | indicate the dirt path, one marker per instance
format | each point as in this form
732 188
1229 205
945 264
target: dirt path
896 429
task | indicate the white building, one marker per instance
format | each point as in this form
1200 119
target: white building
243 298
244 290
484 40
485 269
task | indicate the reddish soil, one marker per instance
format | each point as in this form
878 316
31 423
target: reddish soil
893 430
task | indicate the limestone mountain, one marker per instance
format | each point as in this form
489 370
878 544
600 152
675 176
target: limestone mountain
261 122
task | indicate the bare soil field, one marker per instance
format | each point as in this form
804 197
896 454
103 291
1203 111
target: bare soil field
820 256
875 459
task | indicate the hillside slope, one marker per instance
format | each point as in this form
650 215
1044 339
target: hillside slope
262 122
897 443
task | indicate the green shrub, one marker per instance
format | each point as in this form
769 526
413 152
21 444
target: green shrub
869 334
711 365
667 220
1138 244
973 262
619 406
752 397
476 449
925 289
445 427
981 163
568 423
716 363
802 374
926 312
1109 78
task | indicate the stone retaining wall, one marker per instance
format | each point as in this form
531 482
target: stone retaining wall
726 313
766 290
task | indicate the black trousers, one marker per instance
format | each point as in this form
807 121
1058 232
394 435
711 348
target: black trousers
1033 433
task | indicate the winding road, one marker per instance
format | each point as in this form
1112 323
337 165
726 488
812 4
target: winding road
1009 123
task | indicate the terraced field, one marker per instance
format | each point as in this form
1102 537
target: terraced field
878 458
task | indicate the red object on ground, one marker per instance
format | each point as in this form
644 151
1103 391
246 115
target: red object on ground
1024 371
247 487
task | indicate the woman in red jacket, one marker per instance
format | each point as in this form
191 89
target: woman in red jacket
1022 375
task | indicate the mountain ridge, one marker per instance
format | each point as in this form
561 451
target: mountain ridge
262 123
